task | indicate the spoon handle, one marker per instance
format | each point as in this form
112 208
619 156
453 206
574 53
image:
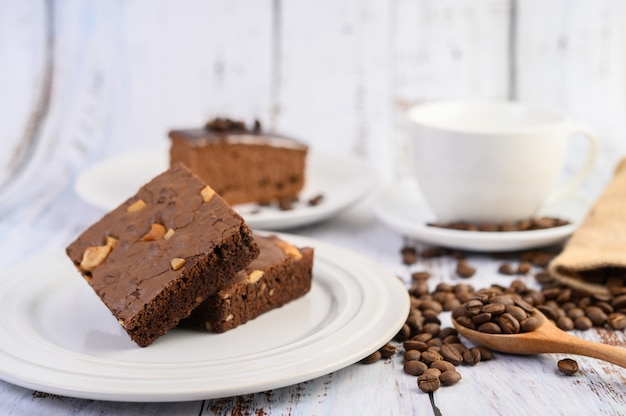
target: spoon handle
573 345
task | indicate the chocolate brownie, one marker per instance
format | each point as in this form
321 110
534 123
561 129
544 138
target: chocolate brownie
161 253
241 164
280 274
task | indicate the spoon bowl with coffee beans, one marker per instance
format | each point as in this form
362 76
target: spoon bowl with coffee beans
507 324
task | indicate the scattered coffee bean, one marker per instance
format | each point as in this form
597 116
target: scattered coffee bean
387 350
372 358
316 200
409 255
412 355
442 365
568 366
506 269
524 267
415 367
428 382
450 377
472 356
540 223
420 276
463 269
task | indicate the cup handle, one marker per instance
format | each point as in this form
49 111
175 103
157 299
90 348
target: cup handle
585 170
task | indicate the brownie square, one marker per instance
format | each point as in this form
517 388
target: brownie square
281 274
161 253
242 165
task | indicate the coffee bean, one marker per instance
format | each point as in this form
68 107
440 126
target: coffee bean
544 277
415 345
481 318
412 355
387 350
403 334
596 315
506 269
372 358
565 323
450 377
472 356
494 309
431 305
463 269
420 276
485 354
451 354
575 313
529 324
409 255
508 323
524 267
617 321
430 356
415 367
428 382
423 337
473 307
568 366
583 323
518 313
490 328
442 365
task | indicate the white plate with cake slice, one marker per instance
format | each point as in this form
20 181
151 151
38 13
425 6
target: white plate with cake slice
56 336
402 207
338 180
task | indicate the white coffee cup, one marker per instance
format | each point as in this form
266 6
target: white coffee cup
492 161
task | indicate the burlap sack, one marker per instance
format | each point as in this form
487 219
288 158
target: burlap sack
598 247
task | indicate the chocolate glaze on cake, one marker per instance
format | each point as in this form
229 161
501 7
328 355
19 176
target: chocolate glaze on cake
242 165
281 274
161 253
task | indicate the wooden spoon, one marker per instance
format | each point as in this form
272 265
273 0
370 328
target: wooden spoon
547 338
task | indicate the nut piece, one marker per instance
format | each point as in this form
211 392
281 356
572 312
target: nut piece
138 205
177 263
168 234
289 250
94 256
111 241
207 193
255 275
157 231
121 322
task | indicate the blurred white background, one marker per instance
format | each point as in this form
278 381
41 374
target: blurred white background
82 80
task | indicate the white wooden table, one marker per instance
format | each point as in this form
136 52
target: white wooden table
87 80
507 385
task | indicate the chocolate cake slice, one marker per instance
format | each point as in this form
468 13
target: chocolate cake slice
161 253
281 274
242 165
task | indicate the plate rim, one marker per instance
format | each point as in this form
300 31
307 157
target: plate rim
369 272
364 177
483 241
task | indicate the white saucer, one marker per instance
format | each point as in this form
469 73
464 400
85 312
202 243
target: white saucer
341 180
403 208
56 336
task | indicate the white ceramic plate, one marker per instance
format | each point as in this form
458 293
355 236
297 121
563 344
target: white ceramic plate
403 208
342 180
57 337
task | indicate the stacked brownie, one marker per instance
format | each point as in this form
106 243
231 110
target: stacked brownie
164 252
280 274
